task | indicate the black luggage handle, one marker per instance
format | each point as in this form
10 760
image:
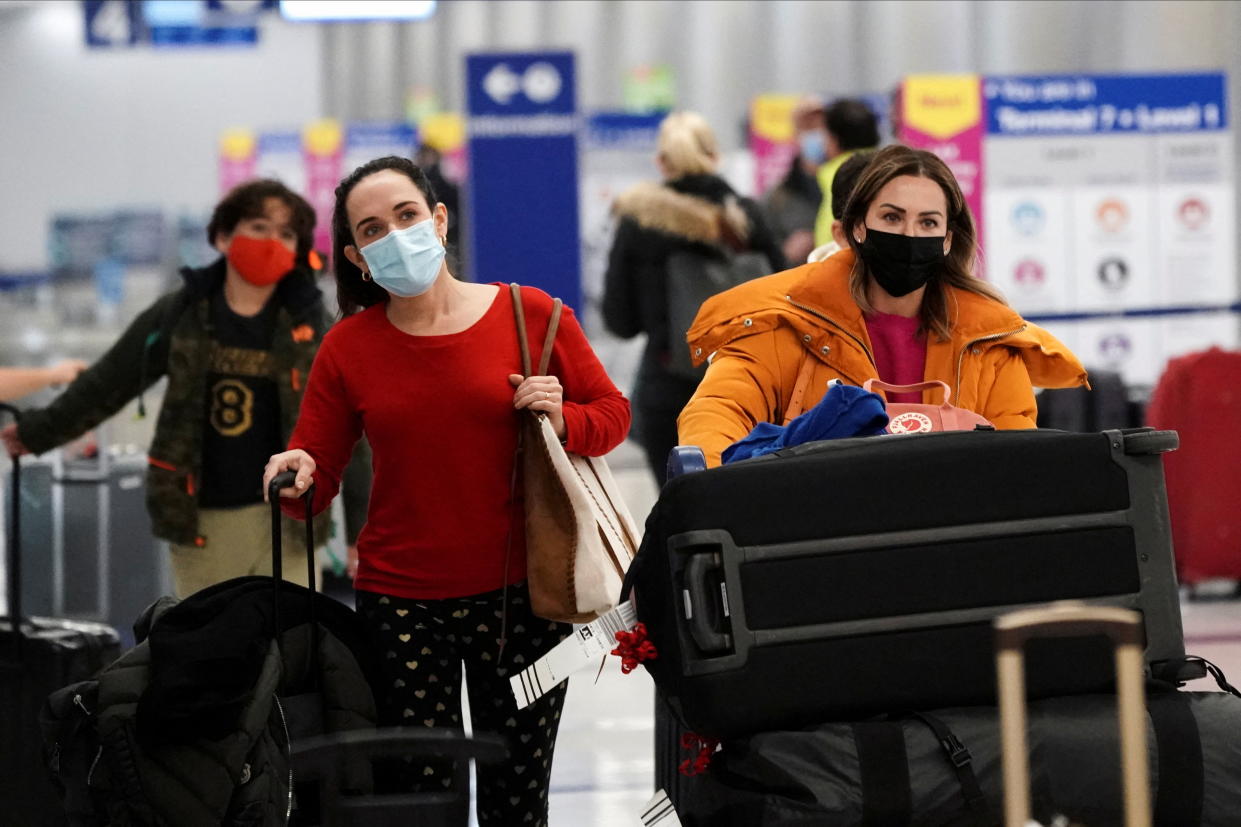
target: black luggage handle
285 479
15 539
697 593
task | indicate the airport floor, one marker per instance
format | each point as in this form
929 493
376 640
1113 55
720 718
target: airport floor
604 764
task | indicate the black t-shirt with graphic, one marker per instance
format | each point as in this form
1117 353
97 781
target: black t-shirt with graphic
243 407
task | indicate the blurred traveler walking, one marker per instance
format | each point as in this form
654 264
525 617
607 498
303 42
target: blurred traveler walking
850 126
236 342
793 204
427 367
693 209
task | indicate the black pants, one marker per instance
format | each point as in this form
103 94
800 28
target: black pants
424 644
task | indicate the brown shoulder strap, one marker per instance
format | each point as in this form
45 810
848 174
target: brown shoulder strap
519 314
799 388
553 324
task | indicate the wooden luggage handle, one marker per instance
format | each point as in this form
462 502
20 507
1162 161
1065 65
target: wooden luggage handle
1072 619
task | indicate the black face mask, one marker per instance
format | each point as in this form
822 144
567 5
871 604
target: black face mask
902 263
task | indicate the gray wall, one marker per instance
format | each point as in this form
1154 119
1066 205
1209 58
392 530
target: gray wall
86 129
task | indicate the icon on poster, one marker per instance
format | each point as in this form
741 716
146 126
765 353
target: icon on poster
1193 213
1029 218
1112 215
1030 273
1113 273
1115 348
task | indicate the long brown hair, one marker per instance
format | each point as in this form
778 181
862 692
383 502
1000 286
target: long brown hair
958 268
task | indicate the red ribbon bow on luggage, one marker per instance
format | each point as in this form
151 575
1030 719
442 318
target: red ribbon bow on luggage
705 747
633 648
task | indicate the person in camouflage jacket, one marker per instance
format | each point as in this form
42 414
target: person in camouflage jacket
176 337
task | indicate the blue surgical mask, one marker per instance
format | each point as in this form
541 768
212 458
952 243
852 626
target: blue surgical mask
406 262
813 146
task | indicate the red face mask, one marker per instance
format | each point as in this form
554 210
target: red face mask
260 261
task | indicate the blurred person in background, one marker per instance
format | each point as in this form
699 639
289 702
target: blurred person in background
851 126
18 382
793 204
429 159
236 342
692 208
426 367
842 187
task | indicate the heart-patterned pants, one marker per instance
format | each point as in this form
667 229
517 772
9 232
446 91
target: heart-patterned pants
424 644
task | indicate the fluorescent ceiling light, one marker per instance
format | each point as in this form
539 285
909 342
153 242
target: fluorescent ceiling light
327 10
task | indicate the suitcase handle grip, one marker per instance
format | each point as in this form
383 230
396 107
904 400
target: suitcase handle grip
285 480
1072 619
698 595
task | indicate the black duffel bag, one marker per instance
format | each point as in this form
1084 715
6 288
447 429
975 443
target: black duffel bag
943 768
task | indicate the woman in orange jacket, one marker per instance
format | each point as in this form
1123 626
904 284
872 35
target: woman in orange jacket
901 304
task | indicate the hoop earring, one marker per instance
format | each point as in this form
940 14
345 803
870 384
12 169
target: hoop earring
366 276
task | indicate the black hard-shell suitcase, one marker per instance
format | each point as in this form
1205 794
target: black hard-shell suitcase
838 579
37 656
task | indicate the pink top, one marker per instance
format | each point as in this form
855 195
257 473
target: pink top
900 352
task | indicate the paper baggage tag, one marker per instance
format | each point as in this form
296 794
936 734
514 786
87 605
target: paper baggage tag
577 650
659 812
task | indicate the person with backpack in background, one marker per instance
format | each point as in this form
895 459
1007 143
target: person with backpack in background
236 342
693 211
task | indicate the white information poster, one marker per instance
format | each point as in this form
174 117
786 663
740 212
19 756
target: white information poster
1109 213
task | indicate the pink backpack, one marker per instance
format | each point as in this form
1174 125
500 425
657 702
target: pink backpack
919 418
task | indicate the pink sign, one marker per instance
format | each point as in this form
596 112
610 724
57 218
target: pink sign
238 157
323 154
944 114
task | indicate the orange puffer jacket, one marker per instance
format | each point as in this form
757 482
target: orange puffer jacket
763 335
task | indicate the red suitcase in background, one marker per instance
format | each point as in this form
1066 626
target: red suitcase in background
1199 396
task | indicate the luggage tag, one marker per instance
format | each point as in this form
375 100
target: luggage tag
574 652
659 812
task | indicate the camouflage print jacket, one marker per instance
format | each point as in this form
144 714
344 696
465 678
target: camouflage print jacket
173 337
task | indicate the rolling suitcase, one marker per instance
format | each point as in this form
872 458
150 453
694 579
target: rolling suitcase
839 579
37 656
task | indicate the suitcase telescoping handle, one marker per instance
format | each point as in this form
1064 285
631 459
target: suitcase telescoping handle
14 547
1072 619
285 479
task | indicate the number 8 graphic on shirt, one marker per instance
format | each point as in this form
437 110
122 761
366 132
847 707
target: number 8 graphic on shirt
232 407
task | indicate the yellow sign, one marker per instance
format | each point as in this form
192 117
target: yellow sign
942 105
323 137
238 144
771 116
444 131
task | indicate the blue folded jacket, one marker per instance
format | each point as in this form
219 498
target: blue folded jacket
844 411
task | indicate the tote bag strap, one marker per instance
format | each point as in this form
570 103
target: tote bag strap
553 324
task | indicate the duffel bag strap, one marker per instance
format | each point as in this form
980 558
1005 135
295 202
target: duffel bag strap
962 764
885 773
1181 776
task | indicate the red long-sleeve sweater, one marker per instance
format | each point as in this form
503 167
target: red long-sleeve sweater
438 412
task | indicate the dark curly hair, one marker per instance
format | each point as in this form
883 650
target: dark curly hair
353 293
247 200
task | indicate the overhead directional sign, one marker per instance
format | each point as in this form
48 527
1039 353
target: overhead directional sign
523 192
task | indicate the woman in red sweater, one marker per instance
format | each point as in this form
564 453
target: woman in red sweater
428 368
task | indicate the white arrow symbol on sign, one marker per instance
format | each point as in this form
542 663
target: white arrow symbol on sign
501 83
